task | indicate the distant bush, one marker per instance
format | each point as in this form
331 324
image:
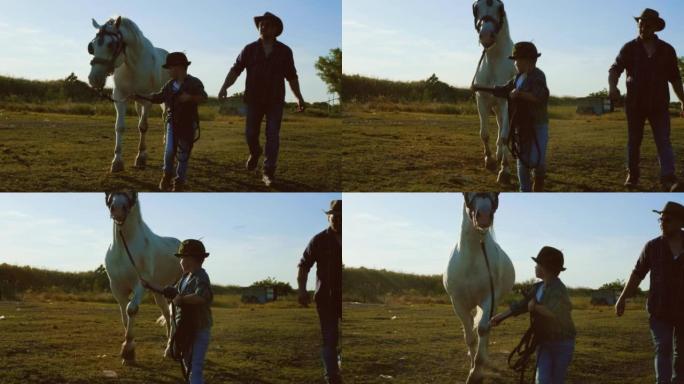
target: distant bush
357 88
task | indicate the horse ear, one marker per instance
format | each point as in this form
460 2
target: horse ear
117 22
134 198
475 9
108 198
96 25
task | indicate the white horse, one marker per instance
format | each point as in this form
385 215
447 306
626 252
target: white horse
154 261
120 48
475 280
495 68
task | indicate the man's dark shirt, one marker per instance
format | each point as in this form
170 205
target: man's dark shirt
666 291
647 78
326 251
266 76
184 117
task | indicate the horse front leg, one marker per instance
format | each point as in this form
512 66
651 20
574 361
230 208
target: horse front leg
481 356
119 128
483 112
502 120
128 346
143 112
466 317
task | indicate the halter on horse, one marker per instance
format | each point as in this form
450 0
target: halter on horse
479 21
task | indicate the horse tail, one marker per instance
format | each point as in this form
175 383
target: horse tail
161 321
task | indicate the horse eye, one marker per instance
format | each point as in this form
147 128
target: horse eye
91 49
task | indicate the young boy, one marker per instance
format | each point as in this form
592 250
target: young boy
549 304
181 95
528 97
192 296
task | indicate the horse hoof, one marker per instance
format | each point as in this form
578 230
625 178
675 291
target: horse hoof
127 362
140 162
504 178
117 166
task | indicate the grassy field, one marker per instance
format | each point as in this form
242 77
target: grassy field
78 342
417 151
423 343
60 152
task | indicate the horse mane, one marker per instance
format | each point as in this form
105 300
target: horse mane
134 31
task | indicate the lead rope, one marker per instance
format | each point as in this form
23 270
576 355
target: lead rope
491 279
479 64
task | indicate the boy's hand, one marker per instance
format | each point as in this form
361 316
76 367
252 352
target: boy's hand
496 320
515 93
531 305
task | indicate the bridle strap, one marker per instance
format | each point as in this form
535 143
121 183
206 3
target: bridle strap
118 50
494 200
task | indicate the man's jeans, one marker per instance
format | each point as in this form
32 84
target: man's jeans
274 117
534 154
660 126
330 331
668 340
199 352
176 149
553 359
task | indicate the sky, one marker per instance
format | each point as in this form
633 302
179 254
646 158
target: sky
250 236
47 39
601 235
579 39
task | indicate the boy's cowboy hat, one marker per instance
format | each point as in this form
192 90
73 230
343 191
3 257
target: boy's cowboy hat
551 258
191 248
524 50
176 58
270 16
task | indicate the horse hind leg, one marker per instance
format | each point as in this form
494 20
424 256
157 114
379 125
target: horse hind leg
164 319
141 158
120 127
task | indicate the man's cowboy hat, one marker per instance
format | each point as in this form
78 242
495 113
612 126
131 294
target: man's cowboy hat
335 207
191 248
653 16
673 209
176 58
551 258
270 16
524 50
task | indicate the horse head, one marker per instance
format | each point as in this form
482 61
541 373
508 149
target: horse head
481 208
106 48
489 17
120 205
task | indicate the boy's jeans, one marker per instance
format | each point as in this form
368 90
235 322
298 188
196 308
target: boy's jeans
179 149
535 157
553 359
199 352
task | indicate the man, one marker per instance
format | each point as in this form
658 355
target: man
650 63
663 257
181 95
192 297
268 62
325 249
